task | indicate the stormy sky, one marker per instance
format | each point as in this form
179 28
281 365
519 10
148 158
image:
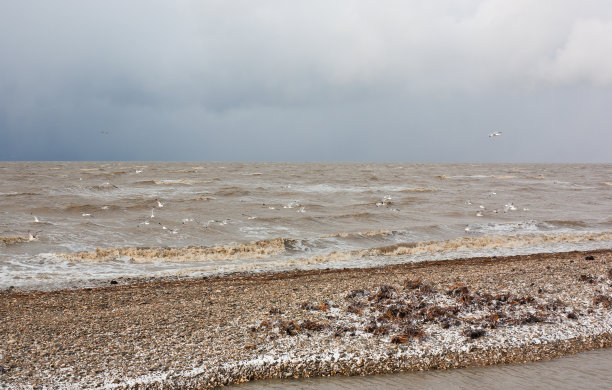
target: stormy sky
405 80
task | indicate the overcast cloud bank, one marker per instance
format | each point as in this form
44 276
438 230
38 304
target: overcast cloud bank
306 81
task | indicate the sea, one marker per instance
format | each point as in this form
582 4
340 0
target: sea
75 224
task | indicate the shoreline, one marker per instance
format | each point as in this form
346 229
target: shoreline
203 332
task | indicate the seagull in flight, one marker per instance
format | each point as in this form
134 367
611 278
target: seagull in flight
495 134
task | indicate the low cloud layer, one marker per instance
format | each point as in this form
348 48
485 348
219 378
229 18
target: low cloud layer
278 80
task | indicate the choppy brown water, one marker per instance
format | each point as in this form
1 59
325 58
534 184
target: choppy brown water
64 224
589 370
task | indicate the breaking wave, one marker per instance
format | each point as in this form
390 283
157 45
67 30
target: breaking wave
471 243
461 245
284 246
255 249
10 240
372 233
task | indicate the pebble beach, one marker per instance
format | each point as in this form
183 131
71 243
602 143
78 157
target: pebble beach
206 332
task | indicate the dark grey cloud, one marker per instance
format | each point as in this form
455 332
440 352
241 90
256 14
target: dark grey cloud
278 80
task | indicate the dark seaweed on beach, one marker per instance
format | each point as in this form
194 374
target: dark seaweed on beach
474 333
312 325
357 294
383 292
413 284
587 278
603 299
408 333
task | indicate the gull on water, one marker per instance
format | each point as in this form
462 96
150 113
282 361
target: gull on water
479 213
385 201
173 231
159 204
36 220
467 229
509 207
293 204
224 222
495 134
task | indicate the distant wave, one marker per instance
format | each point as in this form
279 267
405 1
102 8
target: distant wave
419 189
363 215
104 187
15 194
232 191
372 233
167 182
203 198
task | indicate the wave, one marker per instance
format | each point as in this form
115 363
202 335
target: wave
108 207
176 181
13 194
232 191
203 198
84 208
362 215
184 171
372 233
104 187
283 246
167 182
564 223
459 245
419 189
10 240
255 249
447 246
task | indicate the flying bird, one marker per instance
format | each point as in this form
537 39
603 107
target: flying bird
495 134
